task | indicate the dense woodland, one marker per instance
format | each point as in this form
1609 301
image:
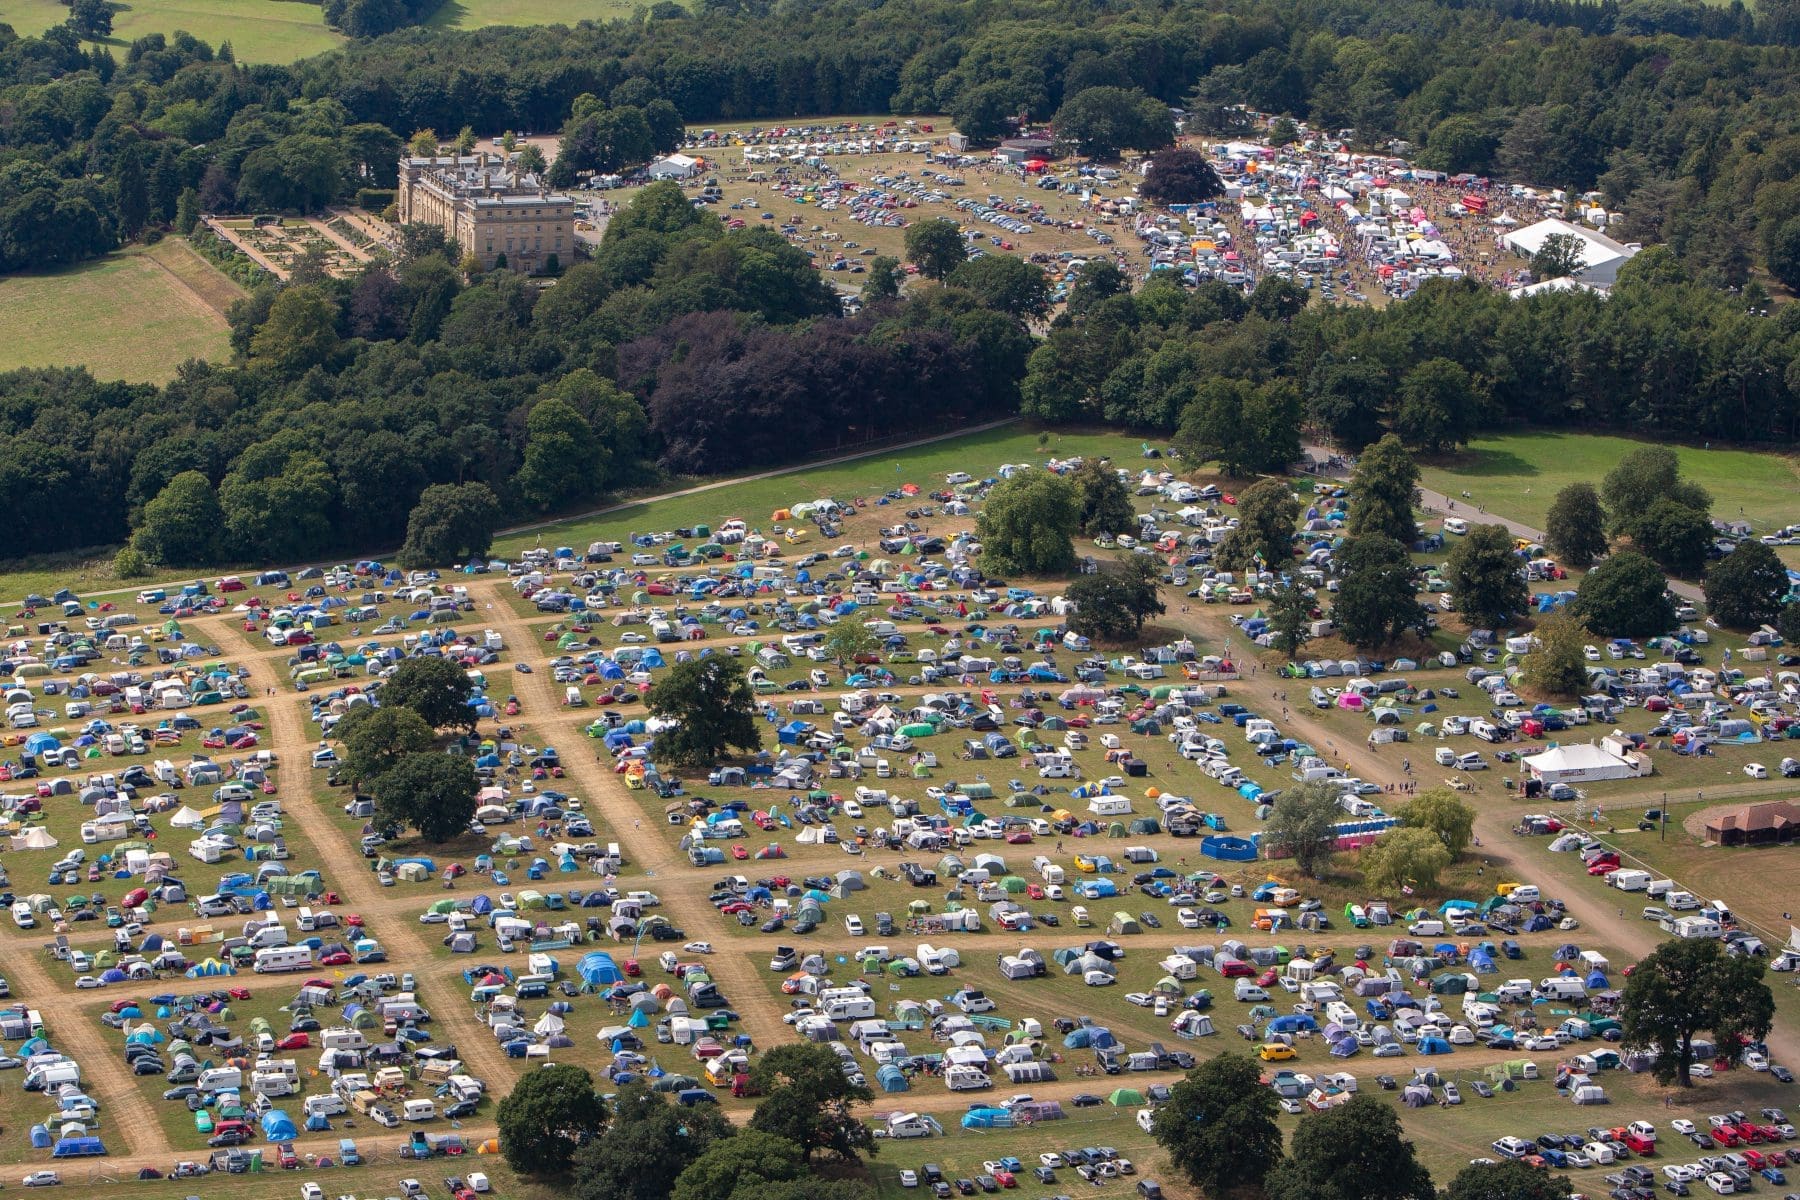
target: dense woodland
686 348
353 396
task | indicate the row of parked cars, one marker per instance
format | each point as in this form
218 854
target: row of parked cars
1096 1165
1724 1174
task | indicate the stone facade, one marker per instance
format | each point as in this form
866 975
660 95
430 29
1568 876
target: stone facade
490 209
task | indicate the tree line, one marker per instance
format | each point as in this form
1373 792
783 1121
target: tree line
407 397
1235 376
1672 108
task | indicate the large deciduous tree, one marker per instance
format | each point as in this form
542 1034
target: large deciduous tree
1575 529
1403 859
936 247
433 792
546 1117
1507 1181
1484 572
647 1143
1687 986
1440 811
1625 596
712 707
1112 604
451 522
1101 121
1351 1152
1105 500
435 688
376 739
1746 587
808 1100
1218 1125
1382 488
1267 513
1557 665
1375 600
1181 176
183 525
1302 823
1027 525
1437 405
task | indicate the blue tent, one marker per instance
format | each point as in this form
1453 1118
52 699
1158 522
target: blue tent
277 1126
481 906
1596 981
1293 1023
891 1078
598 968
1079 1039
987 1118
1433 1045
40 743
1229 848
40 1138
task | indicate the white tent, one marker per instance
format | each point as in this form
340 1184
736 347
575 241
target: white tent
1577 764
187 818
37 838
1601 257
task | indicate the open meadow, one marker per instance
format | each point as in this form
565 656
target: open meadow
1517 475
134 315
260 31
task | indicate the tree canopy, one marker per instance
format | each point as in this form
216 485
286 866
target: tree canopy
1105 500
1486 575
1687 986
1375 601
546 1116
1301 824
1625 596
1575 529
712 709
807 1099
1112 604
1383 486
1028 523
1746 587
436 688
1353 1151
1218 1125
432 792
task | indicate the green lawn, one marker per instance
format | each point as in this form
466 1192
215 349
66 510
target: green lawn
1518 475
878 471
474 14
126 316
259 30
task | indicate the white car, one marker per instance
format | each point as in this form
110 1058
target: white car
87 981
909 1179
1754 771
42 1179
1188 918
1291 1105
1721 1183
1682 1126
698 948
1755 1061
632 639
1701 1070
1141 999
1591 653
1146 1120
1052 1160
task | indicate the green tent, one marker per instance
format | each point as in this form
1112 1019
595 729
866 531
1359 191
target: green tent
1125 1097
918 729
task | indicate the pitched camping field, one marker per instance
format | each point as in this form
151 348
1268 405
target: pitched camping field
1518 475
135 315
260 31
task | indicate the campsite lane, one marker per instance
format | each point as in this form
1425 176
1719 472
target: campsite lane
349 876
78 1034
683 897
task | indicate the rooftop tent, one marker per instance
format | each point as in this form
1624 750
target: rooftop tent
1123 1097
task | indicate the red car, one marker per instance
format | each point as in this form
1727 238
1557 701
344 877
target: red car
243 993
335 958
736 907
295 1041
1604 866
1235 969
289 1160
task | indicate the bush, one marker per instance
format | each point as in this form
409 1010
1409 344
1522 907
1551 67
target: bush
374 199
130 563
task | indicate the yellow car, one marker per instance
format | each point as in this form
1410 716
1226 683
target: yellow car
1275 1052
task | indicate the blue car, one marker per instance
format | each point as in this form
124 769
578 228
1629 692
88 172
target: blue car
1773 1175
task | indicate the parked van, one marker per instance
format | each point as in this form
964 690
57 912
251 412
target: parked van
1561 987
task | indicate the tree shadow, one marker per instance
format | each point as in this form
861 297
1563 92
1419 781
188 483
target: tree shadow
1488 464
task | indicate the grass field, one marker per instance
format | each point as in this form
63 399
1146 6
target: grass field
1518 475
135 315
259 31
475 14
280 31
870 475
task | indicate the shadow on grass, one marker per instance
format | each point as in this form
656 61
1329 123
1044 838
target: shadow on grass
1488 464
